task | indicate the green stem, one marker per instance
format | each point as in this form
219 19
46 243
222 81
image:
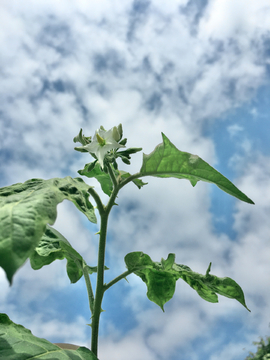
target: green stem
100 206
89 288
118 278
112 176
130 178
100 288
100 282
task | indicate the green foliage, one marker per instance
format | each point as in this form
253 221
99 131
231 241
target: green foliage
125 175
18 343
167 161
54 246
125 155
103 178
82 139
161 277
93 170
263 350
26 209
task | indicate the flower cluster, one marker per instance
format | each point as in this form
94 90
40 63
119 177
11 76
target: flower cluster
103 142
104 145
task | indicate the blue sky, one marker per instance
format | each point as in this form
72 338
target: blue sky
199 71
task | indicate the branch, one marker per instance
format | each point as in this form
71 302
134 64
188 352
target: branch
118 278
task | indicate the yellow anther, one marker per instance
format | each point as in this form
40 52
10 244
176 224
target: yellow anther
100 140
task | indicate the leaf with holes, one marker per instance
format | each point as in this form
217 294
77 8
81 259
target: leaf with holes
54 246
161 277
26 209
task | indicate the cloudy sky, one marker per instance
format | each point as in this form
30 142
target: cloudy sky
197 70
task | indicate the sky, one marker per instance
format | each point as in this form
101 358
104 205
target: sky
198 71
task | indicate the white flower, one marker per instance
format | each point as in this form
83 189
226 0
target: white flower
103 141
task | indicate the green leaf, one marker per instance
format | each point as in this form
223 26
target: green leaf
93 269
160 282
82 139
18 343
125 154
130 151
54 246
123 141
263 350
138 182
167 161
48 249
207 286
26 209
104 179
161 277
120 132
76 190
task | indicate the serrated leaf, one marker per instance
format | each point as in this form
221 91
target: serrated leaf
26 209
207 286
167 161
161 277
18 343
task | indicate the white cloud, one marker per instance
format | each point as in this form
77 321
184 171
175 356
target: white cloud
67 67
229 19
62 330
132 346
234 129
251 254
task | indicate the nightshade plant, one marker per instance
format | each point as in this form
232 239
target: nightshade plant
27 211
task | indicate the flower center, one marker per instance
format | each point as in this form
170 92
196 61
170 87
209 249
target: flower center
100 140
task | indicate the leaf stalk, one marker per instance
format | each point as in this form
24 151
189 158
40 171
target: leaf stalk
118 278
90 293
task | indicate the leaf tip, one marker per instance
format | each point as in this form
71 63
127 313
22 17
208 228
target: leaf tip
10 278
208 269
164 137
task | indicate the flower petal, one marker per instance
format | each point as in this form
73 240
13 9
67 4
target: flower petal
110 143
